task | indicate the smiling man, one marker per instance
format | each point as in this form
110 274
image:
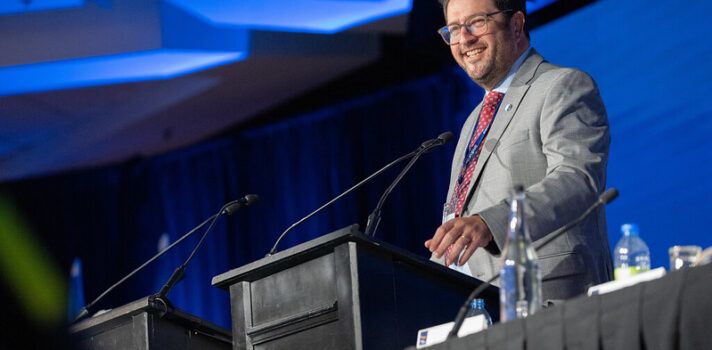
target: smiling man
539 125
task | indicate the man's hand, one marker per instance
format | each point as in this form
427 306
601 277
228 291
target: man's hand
468 234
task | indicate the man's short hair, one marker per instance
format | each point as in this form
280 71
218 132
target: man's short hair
516 5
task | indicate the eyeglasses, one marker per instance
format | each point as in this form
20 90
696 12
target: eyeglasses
476 25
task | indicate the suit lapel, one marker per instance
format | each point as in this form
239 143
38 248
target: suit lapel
515 94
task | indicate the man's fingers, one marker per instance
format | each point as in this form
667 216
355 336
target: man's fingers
427 244
467 254
449 238
434 242
465 235
458 245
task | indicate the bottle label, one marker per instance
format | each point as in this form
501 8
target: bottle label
625 272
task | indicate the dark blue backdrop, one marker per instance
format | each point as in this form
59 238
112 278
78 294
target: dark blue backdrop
112 218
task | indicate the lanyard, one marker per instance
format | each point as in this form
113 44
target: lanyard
471 151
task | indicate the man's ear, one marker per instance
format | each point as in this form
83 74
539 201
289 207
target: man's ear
516 24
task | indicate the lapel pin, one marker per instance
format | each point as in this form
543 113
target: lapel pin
508 107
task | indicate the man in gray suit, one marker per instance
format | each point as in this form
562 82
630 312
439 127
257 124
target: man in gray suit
540 125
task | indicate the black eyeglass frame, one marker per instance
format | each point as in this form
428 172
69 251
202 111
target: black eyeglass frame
445 33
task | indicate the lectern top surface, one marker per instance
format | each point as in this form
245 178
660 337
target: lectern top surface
319 246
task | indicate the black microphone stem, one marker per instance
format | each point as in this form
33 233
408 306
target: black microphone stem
375 218
85 310
601 201
605 198
391 164
460 318
179 272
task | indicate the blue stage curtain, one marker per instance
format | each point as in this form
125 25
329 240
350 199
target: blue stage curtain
112 217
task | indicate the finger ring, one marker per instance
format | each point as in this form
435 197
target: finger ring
465 237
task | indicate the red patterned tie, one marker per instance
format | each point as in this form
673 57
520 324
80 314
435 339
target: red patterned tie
490 104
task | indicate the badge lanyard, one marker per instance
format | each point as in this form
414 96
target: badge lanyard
471 151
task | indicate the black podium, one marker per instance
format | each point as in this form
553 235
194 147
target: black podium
342 291
147 325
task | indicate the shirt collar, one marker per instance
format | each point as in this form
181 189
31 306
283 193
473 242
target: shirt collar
503 86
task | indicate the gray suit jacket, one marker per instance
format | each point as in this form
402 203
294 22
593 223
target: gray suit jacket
551 135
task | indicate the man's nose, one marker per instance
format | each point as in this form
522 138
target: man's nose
466 35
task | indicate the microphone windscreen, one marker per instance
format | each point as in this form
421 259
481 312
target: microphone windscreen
609 195
234 206
251 199
446 137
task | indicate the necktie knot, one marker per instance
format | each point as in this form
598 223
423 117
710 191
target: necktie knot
492 99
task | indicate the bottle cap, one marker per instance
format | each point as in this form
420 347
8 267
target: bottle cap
629 229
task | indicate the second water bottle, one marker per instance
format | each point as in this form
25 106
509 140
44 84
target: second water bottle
520 275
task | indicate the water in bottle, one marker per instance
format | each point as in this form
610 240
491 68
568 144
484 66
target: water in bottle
520 275
477 307
632 255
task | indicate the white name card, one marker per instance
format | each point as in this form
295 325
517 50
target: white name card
438 334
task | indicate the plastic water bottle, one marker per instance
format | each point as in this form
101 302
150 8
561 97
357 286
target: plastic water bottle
632 255
477 307
520 275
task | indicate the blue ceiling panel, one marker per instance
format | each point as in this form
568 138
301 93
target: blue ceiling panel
110 69
309 16
162 42
21 6
181 36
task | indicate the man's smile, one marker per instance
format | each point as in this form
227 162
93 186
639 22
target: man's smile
473 52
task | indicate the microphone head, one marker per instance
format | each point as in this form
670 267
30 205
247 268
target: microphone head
234 206
609 195
428 146
251 199
446 137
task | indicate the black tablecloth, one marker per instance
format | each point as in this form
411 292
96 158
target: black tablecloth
673 312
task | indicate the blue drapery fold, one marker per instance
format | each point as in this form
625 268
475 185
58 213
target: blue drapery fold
112 217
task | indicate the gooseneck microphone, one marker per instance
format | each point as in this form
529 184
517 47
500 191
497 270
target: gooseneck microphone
234 206
226 209
423 148
606 197
375 217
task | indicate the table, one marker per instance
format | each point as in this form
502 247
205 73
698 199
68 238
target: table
673 312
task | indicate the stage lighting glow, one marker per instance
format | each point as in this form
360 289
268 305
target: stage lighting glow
308 16
8 7
111 69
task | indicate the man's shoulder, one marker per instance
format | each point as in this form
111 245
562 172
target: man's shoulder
549 73
555 69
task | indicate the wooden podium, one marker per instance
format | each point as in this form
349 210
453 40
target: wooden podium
147 325
343 290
